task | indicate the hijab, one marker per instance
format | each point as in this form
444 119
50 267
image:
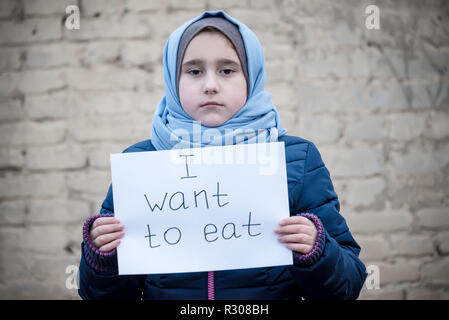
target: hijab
257 121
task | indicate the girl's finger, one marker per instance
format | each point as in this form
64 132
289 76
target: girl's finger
295 220
105 229
110 246
296 228
106 238
104 220
297 239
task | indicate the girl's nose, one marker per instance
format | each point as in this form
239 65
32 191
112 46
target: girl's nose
210 84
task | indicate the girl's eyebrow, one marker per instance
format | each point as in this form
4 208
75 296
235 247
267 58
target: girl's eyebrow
193 62
200 62
228 62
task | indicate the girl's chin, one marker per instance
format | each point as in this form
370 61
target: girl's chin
212 122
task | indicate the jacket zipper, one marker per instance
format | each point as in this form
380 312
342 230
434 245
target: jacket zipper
210 286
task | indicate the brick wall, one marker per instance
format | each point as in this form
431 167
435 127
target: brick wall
374 101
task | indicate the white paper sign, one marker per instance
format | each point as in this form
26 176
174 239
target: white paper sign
201 209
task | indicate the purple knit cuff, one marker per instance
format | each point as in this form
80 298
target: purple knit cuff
306 260
99 260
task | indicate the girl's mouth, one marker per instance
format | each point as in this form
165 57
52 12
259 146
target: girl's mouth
211 104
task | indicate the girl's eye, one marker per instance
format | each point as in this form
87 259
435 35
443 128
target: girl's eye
227 71
194 72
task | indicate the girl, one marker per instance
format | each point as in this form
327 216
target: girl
214 75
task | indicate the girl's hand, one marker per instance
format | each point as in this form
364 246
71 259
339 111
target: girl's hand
106 233
298 234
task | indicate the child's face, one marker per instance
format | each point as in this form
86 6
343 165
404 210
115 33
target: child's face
212 86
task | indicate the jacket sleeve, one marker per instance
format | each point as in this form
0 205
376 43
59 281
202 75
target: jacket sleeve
338 273
98 275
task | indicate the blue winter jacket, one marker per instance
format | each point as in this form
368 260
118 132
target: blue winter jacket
338 273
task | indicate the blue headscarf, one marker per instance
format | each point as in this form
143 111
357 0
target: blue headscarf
257 121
